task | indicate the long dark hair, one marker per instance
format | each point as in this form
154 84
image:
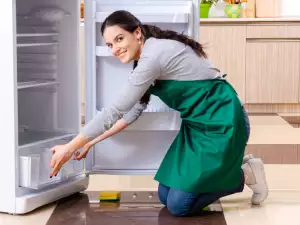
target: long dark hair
130 23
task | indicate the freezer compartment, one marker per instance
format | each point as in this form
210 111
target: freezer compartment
34 166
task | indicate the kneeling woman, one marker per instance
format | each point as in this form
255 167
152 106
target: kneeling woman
205 161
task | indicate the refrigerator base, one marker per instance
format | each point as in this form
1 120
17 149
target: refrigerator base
31 202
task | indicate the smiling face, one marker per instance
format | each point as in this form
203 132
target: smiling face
125 45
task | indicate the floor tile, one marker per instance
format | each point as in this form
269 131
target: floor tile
37 217
280 208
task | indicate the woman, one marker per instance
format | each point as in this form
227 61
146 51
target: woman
205 161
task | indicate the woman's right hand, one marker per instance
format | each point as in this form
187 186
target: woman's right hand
80 155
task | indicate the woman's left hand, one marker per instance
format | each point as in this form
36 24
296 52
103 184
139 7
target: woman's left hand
61 155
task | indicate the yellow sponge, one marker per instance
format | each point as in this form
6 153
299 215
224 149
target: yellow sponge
109 195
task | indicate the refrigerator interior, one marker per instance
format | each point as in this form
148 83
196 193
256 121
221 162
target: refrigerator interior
142 146
48 89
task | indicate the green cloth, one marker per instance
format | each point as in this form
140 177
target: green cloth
206 156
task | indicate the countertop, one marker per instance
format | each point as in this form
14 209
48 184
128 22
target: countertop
249 20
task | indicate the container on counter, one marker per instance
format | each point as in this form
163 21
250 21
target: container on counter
251 9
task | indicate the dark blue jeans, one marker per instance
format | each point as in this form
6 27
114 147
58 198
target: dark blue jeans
180 203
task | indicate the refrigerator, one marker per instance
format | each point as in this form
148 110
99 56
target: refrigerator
41 96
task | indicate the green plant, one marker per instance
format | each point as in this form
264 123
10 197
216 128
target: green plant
205 6
208 1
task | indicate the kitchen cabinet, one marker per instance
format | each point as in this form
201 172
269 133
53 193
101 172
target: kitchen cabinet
261 58
273 30
272 71
226 46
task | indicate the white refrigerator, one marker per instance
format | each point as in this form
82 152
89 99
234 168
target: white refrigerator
41 96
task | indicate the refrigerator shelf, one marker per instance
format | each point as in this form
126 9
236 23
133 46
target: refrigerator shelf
36 44
32 137
37 34
36 83
26 57
37 65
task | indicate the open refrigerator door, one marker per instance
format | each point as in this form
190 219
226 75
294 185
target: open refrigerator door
140 148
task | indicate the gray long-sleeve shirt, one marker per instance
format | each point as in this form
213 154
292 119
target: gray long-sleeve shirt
160 59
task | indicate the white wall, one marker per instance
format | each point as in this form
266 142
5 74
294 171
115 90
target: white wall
290 8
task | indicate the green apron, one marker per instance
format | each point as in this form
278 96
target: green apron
206 156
